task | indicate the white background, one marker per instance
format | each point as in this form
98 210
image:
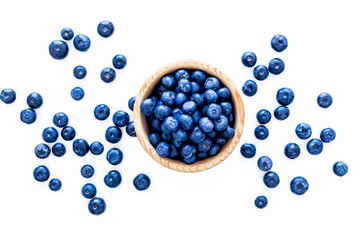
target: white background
323 55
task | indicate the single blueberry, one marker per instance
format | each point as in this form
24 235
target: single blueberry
303 130
206 124
131 103
215 149
340 168
198 76
184 85
168 81
147 107
181 74
112 179
276 66
8 95
214 111
231 118
113 134
108 75
195 87
228 132
50 134
261 132
130 129
114 156
261 72
156 124
79 72
121 118
263 116
163 149
87 171
166 136
180 99
105 29
196 116
119 61
281 113
324 100
249 59
97 206
67 33
180 135
141 182
285 96
60 119
34 100
212 83
226 108
327 135
81 147
248 150
186 122
42 151
198 99
299 185
292 150
205 145
55 184
223 94
197 135
221 123
221 141
58 49
190 160
212 134
88 190
279 43
188 151
201 155
168 98
265 163
174 153
77 93
189 107
28 116
154 138
210 96
96 148
314 146
249 88
82 43
101 112
271 179
261 202
58 149
41 173
68 133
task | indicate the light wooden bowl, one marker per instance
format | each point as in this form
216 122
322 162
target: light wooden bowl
142 130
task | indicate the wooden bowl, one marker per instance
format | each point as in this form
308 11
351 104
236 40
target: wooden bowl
142 130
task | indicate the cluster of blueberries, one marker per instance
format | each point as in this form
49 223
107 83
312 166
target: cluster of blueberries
190 116
284 97
113 134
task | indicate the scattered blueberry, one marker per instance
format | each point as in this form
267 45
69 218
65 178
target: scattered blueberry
324 100
281 113
249 88
96 148
101 112
114 156
105 29
58 149
130 129
248 150
249 59
79 72
80 147
113 179
55 184
299 185
131 103
97 206
88 190
261 132
41 173
68 133
292 150
8 95
141 182
34 100
261 202
119 61
42 151
327 135
28 116
50 134
271 179
279 43
340 168
58 49
82 43
261 72
265 163
285 96
77 93
60 119
276 66
303 130
113 134
67 33
263 116
87 171
314 146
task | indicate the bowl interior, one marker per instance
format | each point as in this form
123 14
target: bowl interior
142 129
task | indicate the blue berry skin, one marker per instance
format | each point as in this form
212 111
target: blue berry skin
108 75
189 107
113 134
81 147
147 107
261 132
79 72
213 111
168 98
197 135
168 81
210 96
82 43
285 96
41 173
188 151
58 49
163 149
206 124
215 149
184 85
324 100
303 130
276 66
261 202
281 113
196 116
170 124
340 168
263 116
87 171
327 135
131 103
248 150
8 95
50 135
177 144
212 134
154 139
228 132
121 118
195 87
58 149
190 160
88 190
181 74
101 112
261 72
156 124
141 182
249 88
186 122
226 108
180 135
68 133
180 99
198 99
114 156
112 179
299 185
314 146
60 120
198 76
119 61
177 112
174 153
77 93
166 136
221 123
249 59
34 100
67 33
201 155
205 145
271 179
96 148
28 116
223 94
42 151
279 43
130 129
105 29
292 150
265 163
97 206
212 83
221 141
231 118
55 184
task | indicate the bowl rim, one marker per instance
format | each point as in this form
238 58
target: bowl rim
141 124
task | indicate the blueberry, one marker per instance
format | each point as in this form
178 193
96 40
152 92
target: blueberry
166 136
249 59
82 43
221 123
121 118
113 134
215 149
292 150
201 155
223 94
285 96
168 81
113 179
147 107
68 133
88 190
188 151
79 72
271 179
276 66
97 206
60 119
184 85
174 153
206 124
327 135
265 163
198 99
228 132
213 111
190 160
221 141
130 129
141 182
154 138
196 116
212 134
80 147
303 130
314 146
205 145
67 33
261 202
180 99
210 96
131 103
55 184
248 150
180 135
198 76
163 149
212 83
156 124
105 29
28 116
34 100
41 173
261 72
101 112
96 148
42 150
87 171
189 107
299 185
58 149
281 113
340 168
108 75
114 156
8 95
186 122
263 116
249 88
50 135
168 98
226 108
77 93
58 49
181 74
279 43
197 135
324 100
261 132
231 118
